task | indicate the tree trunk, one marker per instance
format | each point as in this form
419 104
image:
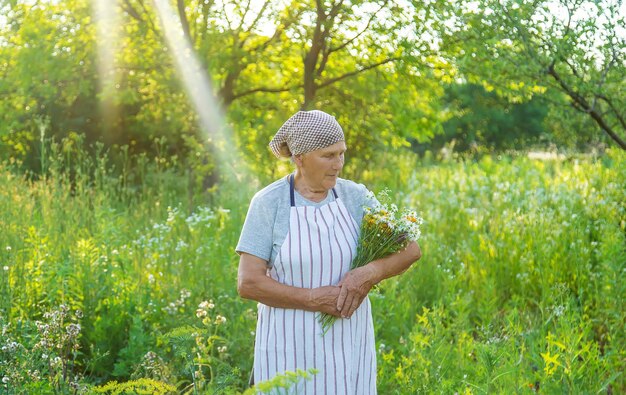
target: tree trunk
311 58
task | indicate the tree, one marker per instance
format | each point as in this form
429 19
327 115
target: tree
47 72
482 118
573 47
364 61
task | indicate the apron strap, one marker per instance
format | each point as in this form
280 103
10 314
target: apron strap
292 195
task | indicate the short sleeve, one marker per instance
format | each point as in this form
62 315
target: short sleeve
356 197
256 236
369 199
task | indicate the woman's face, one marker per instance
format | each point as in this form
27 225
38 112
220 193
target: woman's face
321 167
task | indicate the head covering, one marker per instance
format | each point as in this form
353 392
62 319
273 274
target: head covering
304 132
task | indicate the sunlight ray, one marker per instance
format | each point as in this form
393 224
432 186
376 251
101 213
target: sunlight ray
199 89
107 22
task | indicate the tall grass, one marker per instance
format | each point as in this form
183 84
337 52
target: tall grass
519 289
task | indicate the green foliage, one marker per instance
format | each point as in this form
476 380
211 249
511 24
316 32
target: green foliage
571 50
519 283
42 355
377 66
139 386
369 76
520 261
46 70
483 120
281 382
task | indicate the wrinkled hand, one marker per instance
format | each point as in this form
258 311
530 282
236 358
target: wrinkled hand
324 299
354 288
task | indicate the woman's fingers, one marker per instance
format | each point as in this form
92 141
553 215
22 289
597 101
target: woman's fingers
349 285
343 294
346 306
354 297
353 301
355 305
354 288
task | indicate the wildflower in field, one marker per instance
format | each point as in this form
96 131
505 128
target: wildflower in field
11 347
34 375
6 268
8 248
222 349
220 319
181 245
203 308
558 310
73 330
551 363
150 356
383 233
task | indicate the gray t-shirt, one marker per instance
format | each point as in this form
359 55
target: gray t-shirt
267 221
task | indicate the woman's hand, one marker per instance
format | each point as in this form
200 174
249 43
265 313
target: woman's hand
354 288
324 299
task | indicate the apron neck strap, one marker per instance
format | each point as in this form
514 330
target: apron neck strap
291 190
292 193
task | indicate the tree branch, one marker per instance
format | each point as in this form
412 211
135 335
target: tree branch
266 89
228 22
243 16
369 22
328 25
259 15
355 72
148 18
617 114
584 106
180 4
253 24
126 6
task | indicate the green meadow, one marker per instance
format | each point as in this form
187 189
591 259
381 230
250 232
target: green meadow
122 280
134 133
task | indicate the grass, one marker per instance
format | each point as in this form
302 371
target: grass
519 290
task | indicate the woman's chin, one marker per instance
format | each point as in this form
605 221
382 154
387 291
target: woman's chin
330 182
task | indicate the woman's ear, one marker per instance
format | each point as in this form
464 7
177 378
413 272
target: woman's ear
297 159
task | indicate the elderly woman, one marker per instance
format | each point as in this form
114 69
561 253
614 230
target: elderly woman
296 246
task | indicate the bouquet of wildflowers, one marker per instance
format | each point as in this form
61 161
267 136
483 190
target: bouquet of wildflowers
384 231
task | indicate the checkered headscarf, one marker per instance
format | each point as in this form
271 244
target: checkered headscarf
304 132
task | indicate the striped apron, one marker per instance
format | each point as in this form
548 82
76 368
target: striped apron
317 251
